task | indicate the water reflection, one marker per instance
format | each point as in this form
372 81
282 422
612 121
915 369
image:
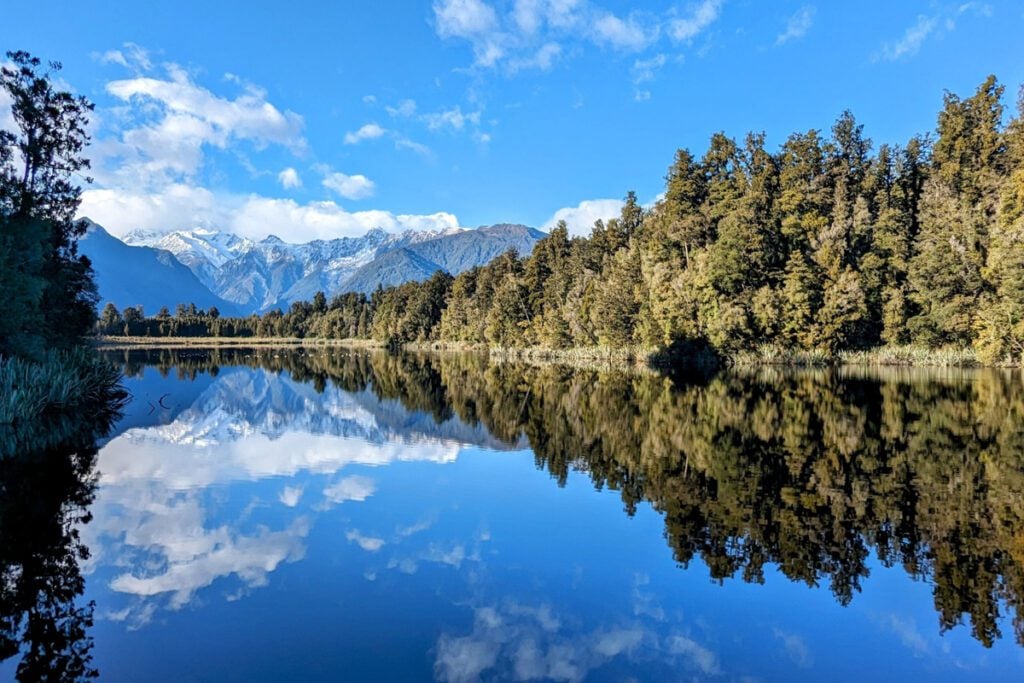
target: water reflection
159 482
813 472
326 496
47 483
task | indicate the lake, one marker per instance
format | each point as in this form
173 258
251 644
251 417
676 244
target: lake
333 514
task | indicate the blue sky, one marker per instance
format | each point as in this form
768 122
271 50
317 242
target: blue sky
324 119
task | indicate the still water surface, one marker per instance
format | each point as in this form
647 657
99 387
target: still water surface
340 515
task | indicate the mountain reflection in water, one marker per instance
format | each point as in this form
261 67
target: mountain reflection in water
822 476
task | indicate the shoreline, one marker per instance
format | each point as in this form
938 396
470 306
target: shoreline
885 356
242 342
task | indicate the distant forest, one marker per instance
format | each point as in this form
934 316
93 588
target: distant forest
826 244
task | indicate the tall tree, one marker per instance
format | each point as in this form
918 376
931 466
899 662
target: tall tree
49 286
957 204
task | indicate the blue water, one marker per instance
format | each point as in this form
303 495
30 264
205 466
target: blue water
258 530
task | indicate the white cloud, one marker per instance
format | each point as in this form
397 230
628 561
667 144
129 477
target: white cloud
462 660
703 658
527 15
325 220
170 121
369 131
532 34
368 543
451 118
795 647
912 39
464 18
355 487
131 56
623 34
614 643
580 218
453 557
289 178
934 26
797 26
405 109
181 207
7 121
290 496
474 21
416 527
700 18
906 630
543 59
402 142
152 157
645 69
513 641
349 186
113 57
210 555
174 207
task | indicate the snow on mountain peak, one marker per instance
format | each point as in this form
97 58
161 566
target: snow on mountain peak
258 275
143 238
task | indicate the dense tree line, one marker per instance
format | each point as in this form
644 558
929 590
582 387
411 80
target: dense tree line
825 244
812 472
49 293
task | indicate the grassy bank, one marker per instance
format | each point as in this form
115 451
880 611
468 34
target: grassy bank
603 356
902 356
60 384
247 342
584 357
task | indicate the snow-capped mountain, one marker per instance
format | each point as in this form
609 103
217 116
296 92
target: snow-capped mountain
151 277
242 402
202 250
256 276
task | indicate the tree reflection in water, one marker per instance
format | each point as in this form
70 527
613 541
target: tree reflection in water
47 482
809 471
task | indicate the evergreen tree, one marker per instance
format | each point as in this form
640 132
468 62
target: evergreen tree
801 296
49 292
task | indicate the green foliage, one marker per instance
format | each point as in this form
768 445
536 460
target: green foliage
63 383
824 245
49 293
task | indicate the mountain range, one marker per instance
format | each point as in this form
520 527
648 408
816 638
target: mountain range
242 276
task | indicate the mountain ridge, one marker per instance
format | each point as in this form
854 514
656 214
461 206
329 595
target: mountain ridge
244 276
128 275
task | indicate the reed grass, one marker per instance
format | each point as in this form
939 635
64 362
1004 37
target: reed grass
917 356
589 356
60 383
946 357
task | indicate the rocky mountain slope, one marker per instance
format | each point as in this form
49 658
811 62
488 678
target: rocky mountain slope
143 276
246 276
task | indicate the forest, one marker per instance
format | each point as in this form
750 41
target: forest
827 243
